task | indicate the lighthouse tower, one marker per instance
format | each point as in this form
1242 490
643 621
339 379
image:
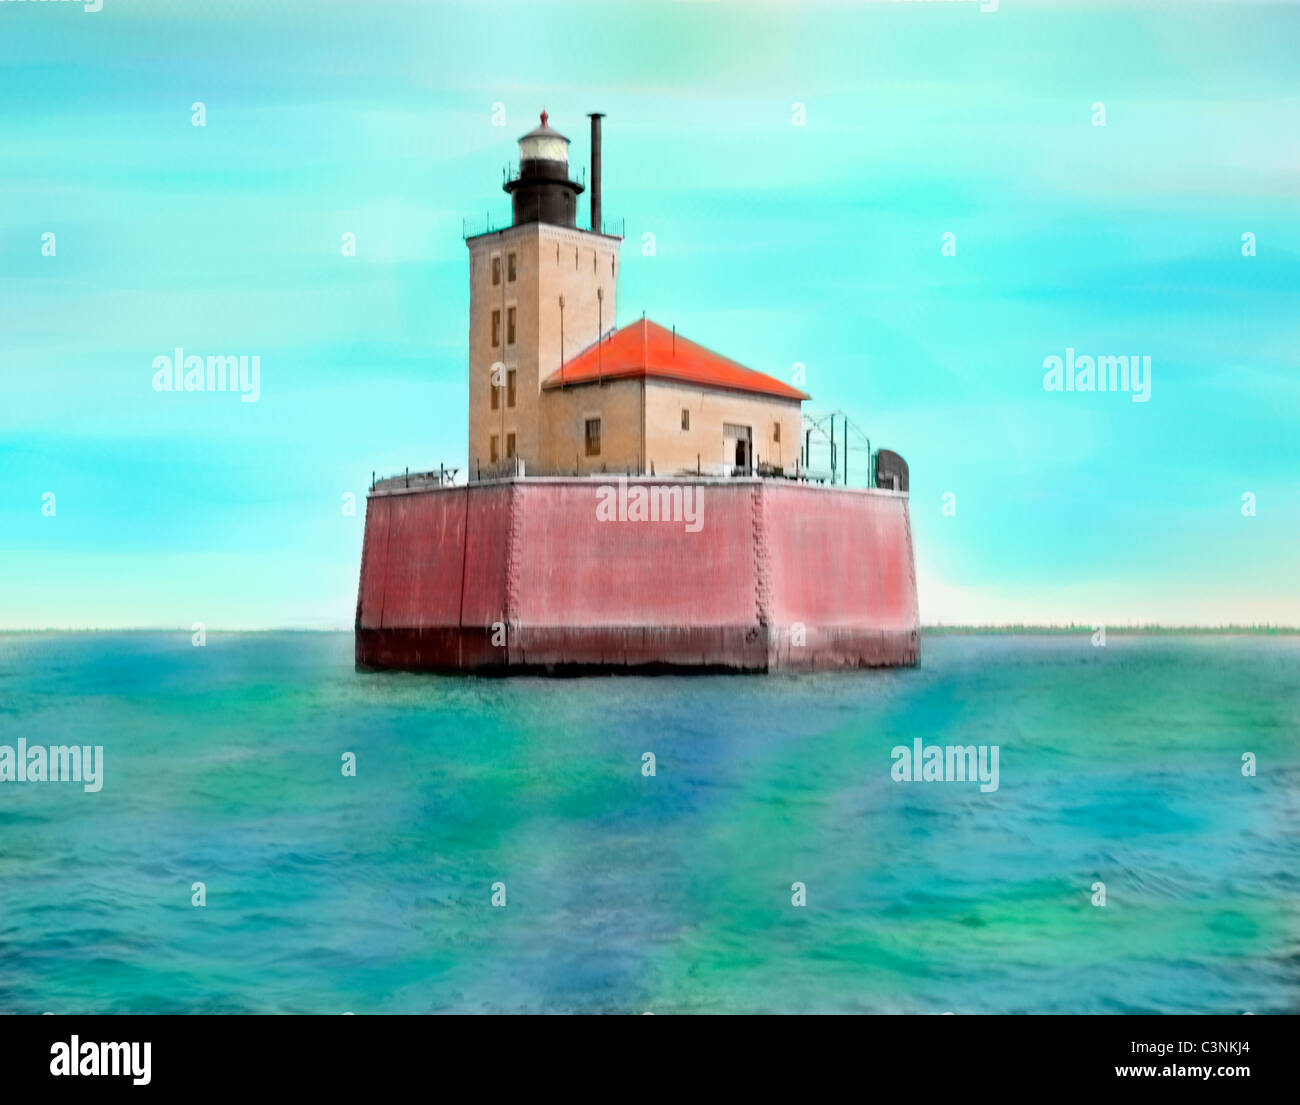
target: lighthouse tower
541 291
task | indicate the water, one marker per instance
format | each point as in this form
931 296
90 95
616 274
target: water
673 893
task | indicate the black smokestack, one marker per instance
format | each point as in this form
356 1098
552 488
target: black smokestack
596 117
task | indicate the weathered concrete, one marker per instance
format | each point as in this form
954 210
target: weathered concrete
524 575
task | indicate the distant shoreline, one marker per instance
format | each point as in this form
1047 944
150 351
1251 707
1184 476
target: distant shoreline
1115 630
927 630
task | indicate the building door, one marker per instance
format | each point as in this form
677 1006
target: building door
738 450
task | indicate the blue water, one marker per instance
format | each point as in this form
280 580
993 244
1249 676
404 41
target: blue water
327 893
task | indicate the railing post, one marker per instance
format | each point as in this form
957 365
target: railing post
833 458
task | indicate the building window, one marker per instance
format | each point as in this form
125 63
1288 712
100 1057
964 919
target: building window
686 419
510 326
510 388
492 445
510 446
510 268
776 432
496 329
496 391
496 270
593 437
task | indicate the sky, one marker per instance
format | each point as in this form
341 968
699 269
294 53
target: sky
821 244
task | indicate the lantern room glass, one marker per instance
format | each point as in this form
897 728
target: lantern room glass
544 148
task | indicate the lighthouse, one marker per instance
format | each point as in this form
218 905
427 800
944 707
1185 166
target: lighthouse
541 291
635 500
556 389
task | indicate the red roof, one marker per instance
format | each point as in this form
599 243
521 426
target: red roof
646 349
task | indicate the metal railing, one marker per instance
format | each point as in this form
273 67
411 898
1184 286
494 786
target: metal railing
836 450
466 232
442 477
513 170
824 459
507 469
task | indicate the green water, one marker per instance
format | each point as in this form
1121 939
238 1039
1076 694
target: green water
624 892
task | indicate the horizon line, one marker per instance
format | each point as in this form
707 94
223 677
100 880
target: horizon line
931 627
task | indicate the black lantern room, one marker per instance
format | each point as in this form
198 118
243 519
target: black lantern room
543 192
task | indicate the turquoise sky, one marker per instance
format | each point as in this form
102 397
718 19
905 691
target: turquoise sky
775 244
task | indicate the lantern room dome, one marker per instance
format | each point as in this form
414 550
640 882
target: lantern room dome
543 143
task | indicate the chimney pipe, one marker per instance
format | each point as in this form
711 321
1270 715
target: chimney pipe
596 117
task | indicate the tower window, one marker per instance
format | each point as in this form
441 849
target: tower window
510 389
496 270
496 329
510 446
496 394
510 326
686 419
776 432
510 268
593 437
492 446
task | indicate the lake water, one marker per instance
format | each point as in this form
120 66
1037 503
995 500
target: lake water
327 893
